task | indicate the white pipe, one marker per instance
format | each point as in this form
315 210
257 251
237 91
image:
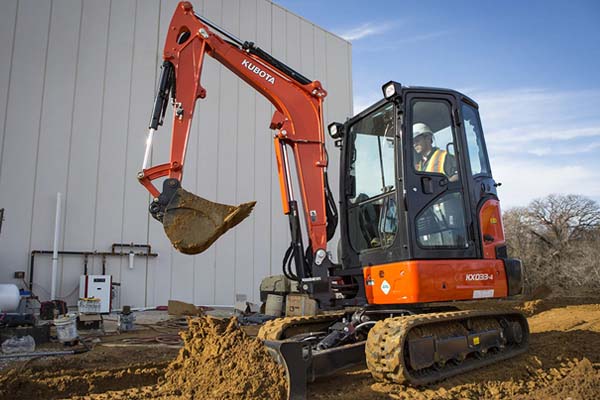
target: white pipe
131 259
55 248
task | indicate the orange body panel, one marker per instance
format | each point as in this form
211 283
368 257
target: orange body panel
490 221
423 281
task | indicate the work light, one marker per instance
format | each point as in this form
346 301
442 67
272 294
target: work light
335 130
390 89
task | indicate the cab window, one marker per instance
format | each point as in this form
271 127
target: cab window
372 211
433 139
477 156
442 224
372 154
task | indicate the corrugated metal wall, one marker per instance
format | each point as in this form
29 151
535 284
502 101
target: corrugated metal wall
77 83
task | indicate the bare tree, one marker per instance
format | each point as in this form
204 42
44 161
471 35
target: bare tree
560 219
558 240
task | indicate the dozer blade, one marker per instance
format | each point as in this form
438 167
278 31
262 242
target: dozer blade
193 223
303 364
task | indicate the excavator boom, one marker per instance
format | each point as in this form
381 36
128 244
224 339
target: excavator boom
191 222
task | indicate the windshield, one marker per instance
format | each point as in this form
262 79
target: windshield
372 154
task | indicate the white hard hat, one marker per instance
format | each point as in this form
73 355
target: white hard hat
421 129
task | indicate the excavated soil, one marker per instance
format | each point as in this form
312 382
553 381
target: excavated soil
193 223
218 361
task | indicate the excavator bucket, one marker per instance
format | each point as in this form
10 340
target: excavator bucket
193 223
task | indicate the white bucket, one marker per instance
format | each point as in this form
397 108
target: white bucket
274 306
66 328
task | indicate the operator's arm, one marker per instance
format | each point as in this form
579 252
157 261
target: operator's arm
451 168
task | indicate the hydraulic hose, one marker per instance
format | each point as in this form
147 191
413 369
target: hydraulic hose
287 264
45 353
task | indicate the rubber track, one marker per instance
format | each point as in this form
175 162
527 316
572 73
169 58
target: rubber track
385 344
274 329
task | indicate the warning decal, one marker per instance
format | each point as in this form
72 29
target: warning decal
385 287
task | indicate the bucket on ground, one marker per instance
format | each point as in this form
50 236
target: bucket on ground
66 328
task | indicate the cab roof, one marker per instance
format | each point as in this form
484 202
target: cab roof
421 89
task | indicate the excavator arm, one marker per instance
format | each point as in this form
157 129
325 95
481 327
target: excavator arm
191 222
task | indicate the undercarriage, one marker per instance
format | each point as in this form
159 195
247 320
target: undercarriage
398 345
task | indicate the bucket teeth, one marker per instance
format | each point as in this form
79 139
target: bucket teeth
193 223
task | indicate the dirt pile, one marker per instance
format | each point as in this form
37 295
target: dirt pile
219 361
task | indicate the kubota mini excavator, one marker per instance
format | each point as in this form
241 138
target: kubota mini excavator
420 220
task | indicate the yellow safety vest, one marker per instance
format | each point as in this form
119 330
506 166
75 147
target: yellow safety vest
435 163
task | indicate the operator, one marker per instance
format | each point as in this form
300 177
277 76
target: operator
429 158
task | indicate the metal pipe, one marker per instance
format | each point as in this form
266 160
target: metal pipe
93 253
123 245
82 253
31 271
365 324
55 247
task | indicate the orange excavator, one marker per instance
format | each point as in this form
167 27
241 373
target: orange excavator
420 221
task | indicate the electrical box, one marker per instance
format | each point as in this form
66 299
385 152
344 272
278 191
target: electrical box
98 287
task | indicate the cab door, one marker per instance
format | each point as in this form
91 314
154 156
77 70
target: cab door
439 216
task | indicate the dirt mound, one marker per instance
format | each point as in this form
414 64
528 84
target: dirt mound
218 361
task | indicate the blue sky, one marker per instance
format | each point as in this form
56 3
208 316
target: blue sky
533 67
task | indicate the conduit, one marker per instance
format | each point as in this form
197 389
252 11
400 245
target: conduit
55 247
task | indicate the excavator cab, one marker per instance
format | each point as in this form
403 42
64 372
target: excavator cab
417 197
421 149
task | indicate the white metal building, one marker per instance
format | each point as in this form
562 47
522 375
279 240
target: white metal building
77 81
